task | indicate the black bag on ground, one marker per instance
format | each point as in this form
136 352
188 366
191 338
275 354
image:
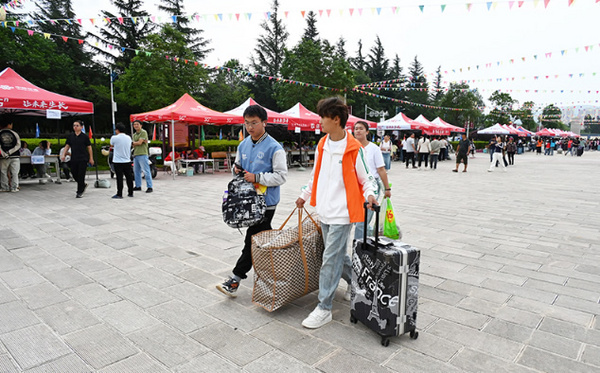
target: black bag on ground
385 283
243 206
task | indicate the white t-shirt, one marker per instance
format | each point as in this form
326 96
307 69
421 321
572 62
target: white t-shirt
410 142
374 159
424 145
121 148
386 146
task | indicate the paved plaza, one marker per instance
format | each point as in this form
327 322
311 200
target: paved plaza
510 278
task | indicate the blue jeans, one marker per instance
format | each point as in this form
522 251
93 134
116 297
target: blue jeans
387 160
140 163
336 262
359 228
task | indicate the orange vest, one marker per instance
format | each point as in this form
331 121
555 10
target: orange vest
354 195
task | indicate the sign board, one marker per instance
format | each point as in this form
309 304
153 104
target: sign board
297 130
53 114
317 131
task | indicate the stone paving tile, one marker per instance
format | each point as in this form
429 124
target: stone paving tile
496 346
67 278
194 295
474 291
226 341
344 361
6 295
39 296
14 316
166 345
112 278
9 262
407 360
585 295
209 362
565 314
230 312
100 346
67 317
548 362
21 278
469 360
556 344
278 362
143 295
435 347
156 278
464 317
293 342
591 355
181 316
139 363
508 330
34 346
124 316
67 364
592 307
92 295
7 365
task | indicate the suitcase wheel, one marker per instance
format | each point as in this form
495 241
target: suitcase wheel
353 319
385 341
414 334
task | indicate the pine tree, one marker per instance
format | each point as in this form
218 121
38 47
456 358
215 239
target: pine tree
437 94
377 66
340 48
418 90
311 32
268 57
358 62
129 34
175 9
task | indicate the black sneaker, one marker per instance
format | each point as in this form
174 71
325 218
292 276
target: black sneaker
229 287
84 188
137 189
149 190
78 195
116 196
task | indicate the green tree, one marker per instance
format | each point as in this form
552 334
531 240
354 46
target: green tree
311 32
127 34
225 87
418 90
315 63
377 64
592 124
151 81
550 118
437 93
268 57
195 41
503 108
525 114
461 96
358 62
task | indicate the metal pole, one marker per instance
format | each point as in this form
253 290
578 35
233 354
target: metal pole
112 101
172 138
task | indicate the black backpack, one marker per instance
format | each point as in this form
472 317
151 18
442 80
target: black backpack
243 206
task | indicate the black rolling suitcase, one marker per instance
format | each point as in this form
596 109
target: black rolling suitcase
385 282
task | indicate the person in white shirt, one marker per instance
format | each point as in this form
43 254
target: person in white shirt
409 146
376 167
338 186
64 166
386 151
121 143
41 169
424 149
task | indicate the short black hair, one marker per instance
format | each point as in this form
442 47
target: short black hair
137 121
121 127
78 121
5 120
362 123
44 143
333 107
256 111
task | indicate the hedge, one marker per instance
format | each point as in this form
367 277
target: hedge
478 144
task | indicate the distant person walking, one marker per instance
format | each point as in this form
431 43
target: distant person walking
409 146
10 164
462 152
424 149
386 151
435 146
511 149
81 155
140 157
499 146
121 144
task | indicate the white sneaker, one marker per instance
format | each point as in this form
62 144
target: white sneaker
47 176
317 318
348 293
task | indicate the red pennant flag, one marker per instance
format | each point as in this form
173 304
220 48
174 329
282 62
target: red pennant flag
80 41
196 63
571 2
92 20
521 3
328 12
352 11
286 13
237 16
80 21
320 12
65 38
120 20
303 12
154 133
90 134
546 3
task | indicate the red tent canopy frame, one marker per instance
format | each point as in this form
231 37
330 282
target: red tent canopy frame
306 119
18 96
439 121
186 110
273 116
432 128
352 121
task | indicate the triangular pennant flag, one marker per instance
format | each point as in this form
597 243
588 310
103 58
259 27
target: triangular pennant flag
303 12
328 12
320 12
80 41
546 3
80 21
286 13
46 36
220 16
571 2
249 15
521 3
352 10
30 32
153 19
65 38
360 11
421 7
146 19
489 5
174 18
535 3
237 16
443 7
510 4
197 18
137 52
92 20
122 49
134 20
394 9
562 52
120 20
469 5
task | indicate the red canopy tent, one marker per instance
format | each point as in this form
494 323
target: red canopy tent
513 131
352 121
186 110
440 122
273 116
307 120
546 133
398 122
18 96
431 128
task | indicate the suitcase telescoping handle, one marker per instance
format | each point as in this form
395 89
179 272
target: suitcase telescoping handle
376 209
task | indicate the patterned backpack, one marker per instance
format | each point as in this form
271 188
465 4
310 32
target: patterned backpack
243 207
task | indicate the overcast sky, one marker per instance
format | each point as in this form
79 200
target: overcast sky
453 39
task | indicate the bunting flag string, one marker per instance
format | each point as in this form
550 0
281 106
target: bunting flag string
322 13
122 49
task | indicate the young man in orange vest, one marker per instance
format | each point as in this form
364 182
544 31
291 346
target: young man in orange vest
337 188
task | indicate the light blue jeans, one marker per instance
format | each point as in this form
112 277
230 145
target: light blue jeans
387 160
359 228
336 262
140 163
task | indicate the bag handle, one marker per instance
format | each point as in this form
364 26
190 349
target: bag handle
376 208
300 218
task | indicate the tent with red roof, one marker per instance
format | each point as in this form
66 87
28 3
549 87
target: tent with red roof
352 121
307 120
273 116
439 121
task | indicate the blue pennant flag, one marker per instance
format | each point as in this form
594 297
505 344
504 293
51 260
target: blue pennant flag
37 131
220 134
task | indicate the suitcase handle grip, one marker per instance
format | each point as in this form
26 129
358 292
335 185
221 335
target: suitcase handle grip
376 208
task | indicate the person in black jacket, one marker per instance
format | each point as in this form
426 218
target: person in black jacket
10 163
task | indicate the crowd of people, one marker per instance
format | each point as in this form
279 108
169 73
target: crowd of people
575 146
